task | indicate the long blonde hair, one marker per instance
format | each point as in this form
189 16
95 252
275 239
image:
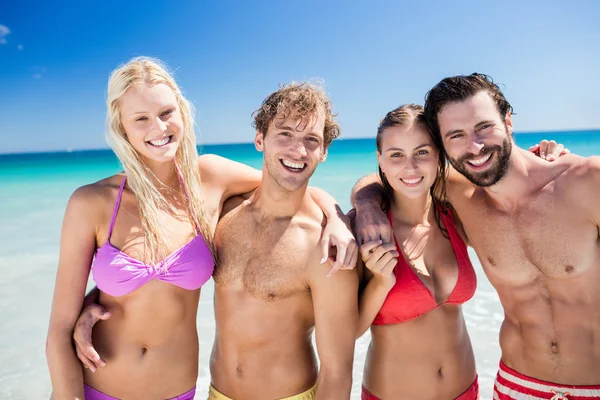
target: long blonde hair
140 71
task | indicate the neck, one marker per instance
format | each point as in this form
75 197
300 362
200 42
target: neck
517 182
276 202
410 211
164 174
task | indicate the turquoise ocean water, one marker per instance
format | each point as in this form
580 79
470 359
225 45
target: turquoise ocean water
34 189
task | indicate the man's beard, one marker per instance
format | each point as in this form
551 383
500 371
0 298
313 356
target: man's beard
494 173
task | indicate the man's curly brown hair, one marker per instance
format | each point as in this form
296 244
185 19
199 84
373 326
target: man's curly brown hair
297 100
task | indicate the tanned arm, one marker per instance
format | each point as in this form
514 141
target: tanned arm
336 316
371 223
77 246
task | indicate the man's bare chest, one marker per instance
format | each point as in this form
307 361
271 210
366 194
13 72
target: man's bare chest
266 261
543 235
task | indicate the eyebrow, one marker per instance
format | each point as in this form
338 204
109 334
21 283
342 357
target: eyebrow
449 133
165 107
416 148
287 128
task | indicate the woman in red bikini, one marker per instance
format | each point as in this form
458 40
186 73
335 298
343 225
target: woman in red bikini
413 289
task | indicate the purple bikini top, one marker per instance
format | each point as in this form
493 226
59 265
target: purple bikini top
118 274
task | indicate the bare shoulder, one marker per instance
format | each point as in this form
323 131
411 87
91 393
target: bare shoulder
457 186
578 170
95 196
580 182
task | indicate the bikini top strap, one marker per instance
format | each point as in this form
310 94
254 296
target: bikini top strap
458 244
116 210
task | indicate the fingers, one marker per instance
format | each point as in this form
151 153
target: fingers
351 256
82 335
87 363
324 249
377 265
387 234
565 152
543 149
339 259
555 152
365 249
535 148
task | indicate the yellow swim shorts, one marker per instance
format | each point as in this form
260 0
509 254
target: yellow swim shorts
310 394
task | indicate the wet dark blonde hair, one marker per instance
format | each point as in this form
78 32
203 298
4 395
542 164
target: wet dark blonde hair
301 100
406 116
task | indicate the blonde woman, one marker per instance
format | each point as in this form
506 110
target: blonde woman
146 237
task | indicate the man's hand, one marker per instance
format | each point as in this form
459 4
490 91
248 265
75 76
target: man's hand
338 234
549 150
82 335
371 224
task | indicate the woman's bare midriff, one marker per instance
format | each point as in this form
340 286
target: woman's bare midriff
429 357
150 343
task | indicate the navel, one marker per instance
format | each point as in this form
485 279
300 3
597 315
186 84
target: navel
144 350
554 347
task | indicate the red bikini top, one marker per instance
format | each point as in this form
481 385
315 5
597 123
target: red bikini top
410 298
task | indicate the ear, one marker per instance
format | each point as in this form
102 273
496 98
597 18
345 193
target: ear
379 159
509 124
324 154
259 141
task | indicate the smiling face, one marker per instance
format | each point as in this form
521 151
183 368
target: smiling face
152 121
409 159
477 138
293 148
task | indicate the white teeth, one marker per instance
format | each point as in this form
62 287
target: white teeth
412 181
480 161
293 164
160 142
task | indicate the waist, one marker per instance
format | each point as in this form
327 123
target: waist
277 368
138 372
553 351
432 359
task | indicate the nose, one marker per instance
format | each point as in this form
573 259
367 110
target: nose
161 126
411 164
475 146
299 150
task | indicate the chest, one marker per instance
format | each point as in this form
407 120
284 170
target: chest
542 235
268 260
428 260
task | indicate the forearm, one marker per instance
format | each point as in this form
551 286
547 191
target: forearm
371 300
326 202
331 385
65 369
368 191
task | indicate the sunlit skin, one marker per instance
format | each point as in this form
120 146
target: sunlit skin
539 246
148 338
295 142
271 295
477 139
409 160
429 357
150 114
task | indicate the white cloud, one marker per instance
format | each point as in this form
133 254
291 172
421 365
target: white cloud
4 31
20 47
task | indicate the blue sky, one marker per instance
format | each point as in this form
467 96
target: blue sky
55 59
